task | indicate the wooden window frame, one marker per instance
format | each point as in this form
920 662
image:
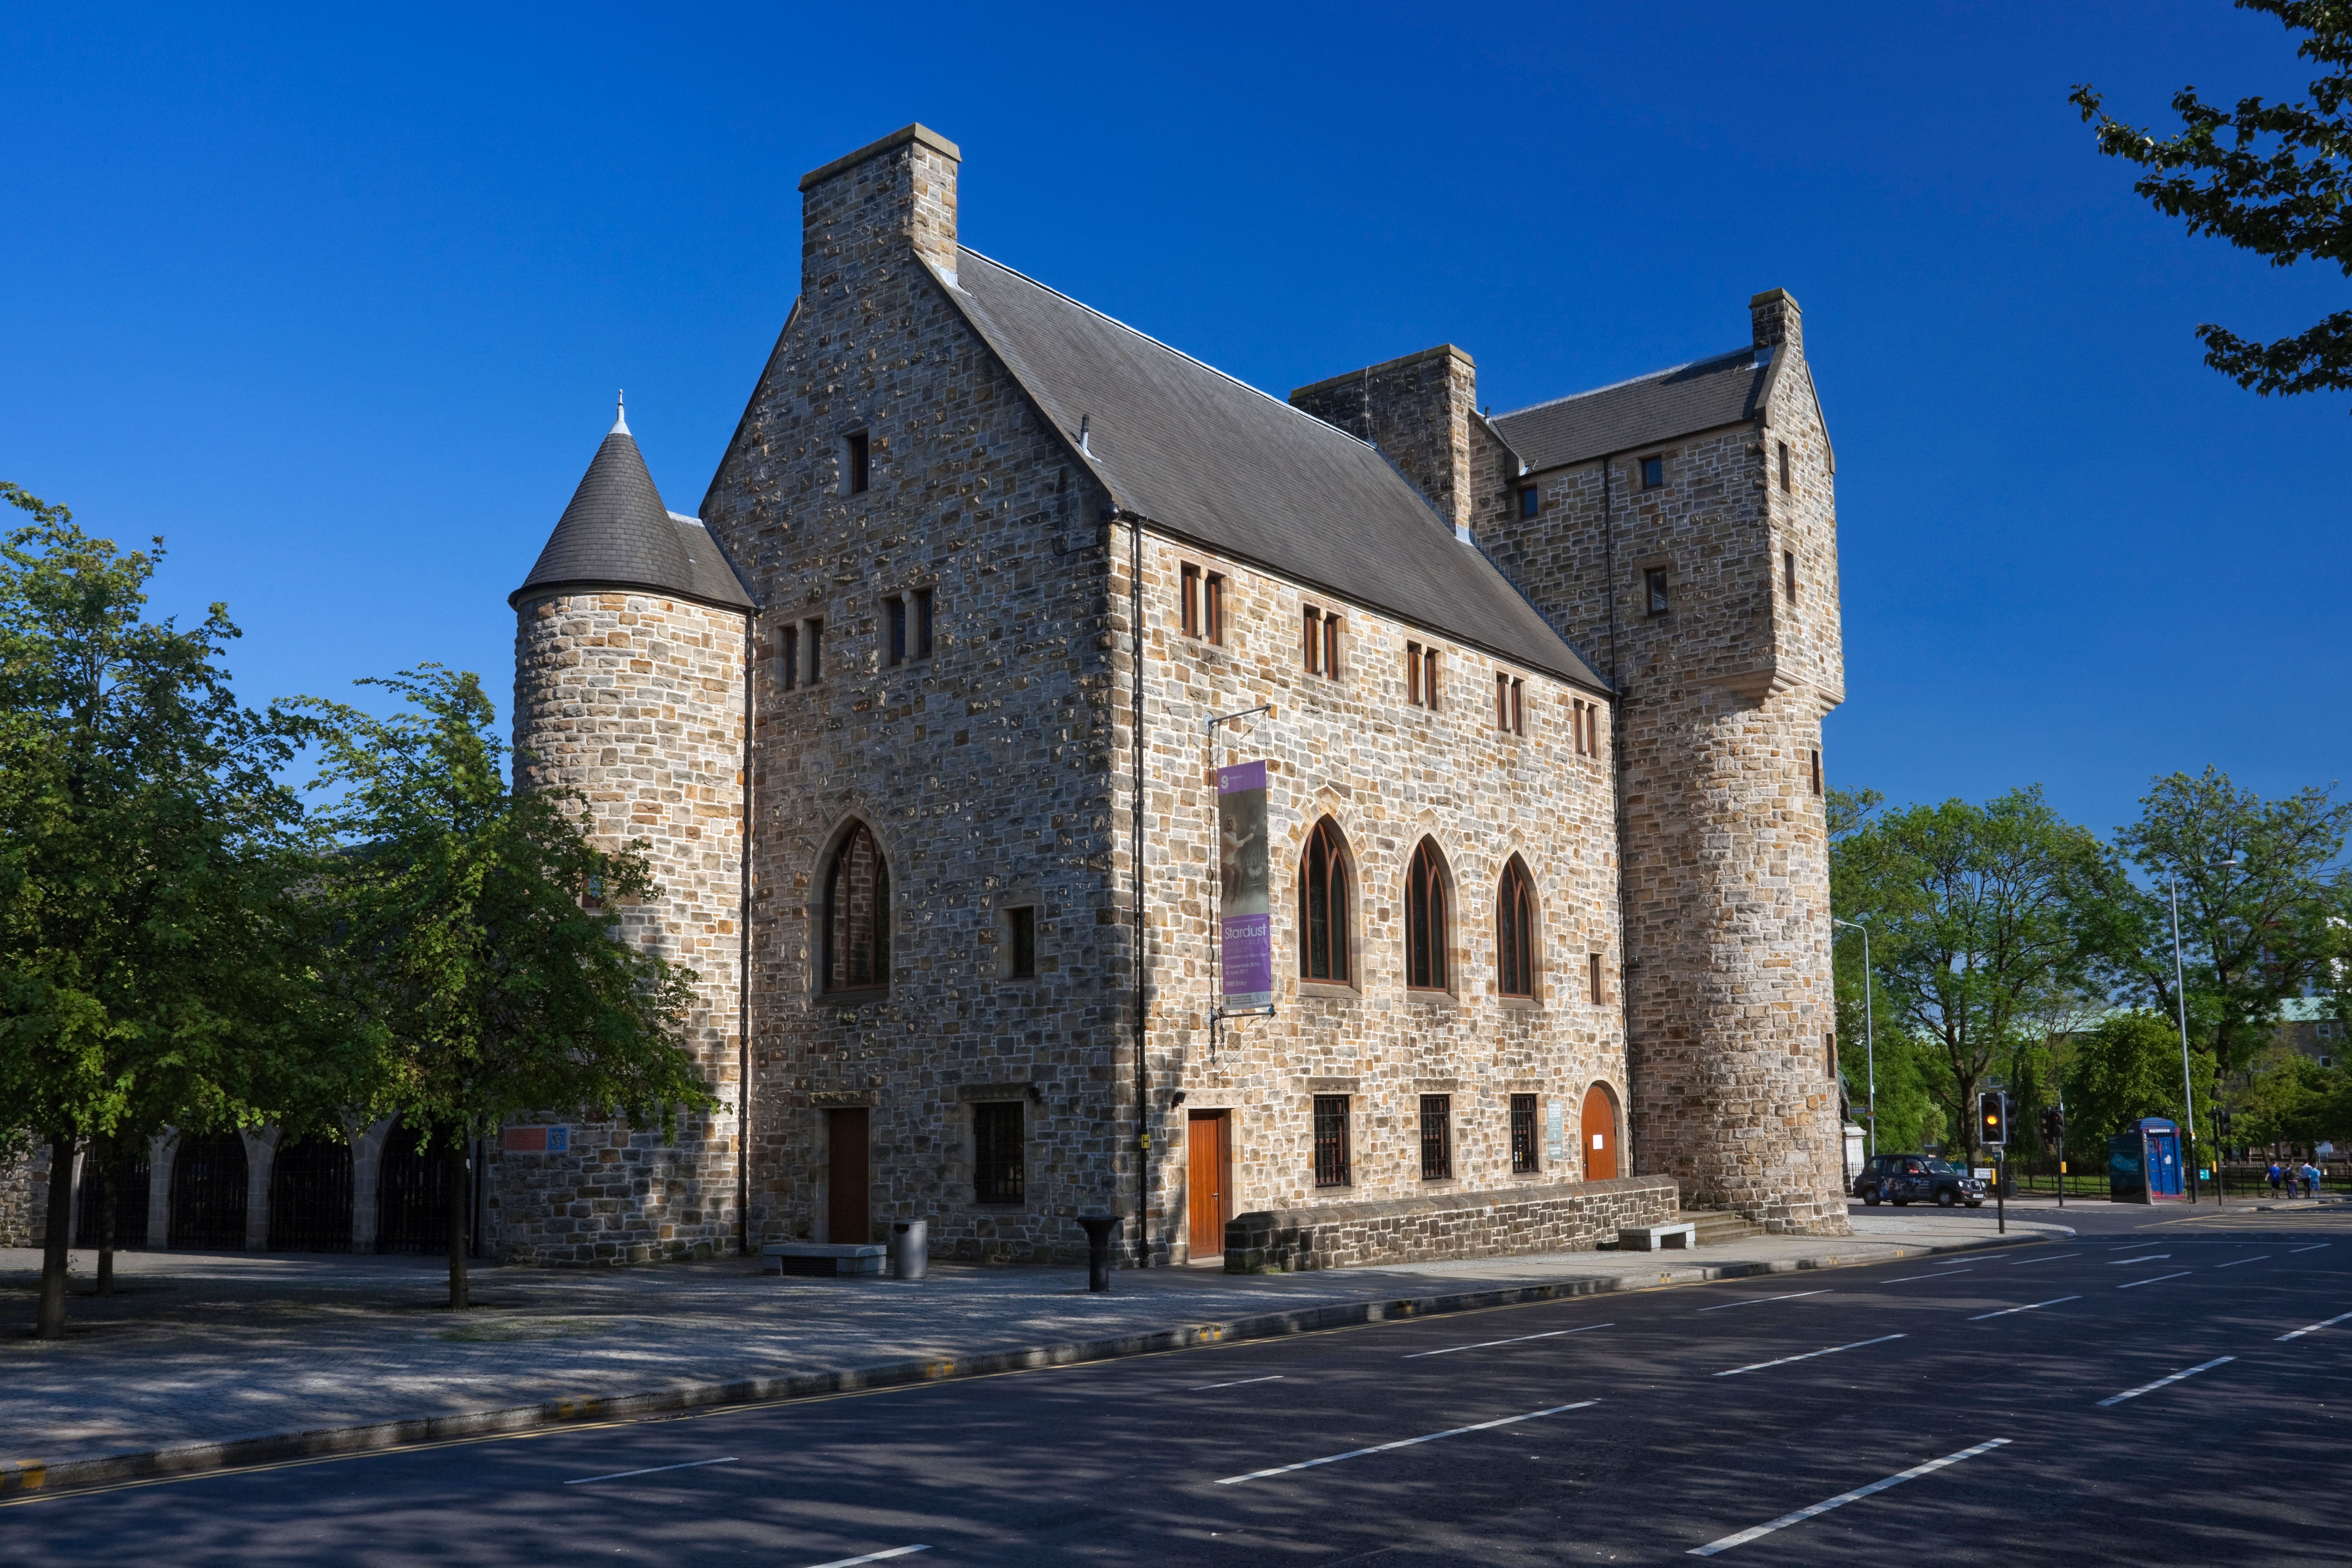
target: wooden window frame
1594 981
1189 598
1333 1138
1212 608
1330 645
999 1153
1426 968
1515 945
1436 1128
1311 639
1323 869
1412 673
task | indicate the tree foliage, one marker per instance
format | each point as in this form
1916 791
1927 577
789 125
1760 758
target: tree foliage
488 987
2126 1067
2271 178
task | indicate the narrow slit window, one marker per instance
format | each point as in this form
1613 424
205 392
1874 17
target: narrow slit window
1502 702
1519 706
1523 1134
922 623
1022 931
895 610
1784 467
1655 581
861 463
1593 978
815 650
1212 608
1817 772
1789 574
1412 673
1429 679
1311 640
1331 647
1332 1156
1192 601
1436 1137
788 658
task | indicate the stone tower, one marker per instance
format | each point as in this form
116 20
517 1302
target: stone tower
629 687
1680 528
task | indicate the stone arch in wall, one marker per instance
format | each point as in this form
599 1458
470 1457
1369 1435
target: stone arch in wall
209 1193
310 1196
1600 1135
1329 895
1518 933
851 911
1432 920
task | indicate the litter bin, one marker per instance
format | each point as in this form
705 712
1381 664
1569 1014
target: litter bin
911 1248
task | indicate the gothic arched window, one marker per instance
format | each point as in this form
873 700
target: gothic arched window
1425 919
1323 905
1514 931
856 929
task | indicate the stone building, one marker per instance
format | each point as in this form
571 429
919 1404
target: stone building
926 715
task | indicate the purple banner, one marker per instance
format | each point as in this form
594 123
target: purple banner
1245 904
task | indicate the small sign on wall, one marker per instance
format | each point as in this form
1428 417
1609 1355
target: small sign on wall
1555 1134
536 1140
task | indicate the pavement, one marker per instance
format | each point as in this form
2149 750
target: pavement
206 1359
2160 1386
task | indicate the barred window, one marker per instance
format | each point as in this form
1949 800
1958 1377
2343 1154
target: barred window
1425 919
999 1169
1436 1137
857 925
1332 1156
1323 905
1523 1134
1514 931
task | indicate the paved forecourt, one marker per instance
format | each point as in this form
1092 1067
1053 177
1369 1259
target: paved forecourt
2030 1404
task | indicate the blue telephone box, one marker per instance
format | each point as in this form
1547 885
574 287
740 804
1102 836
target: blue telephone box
2143 1162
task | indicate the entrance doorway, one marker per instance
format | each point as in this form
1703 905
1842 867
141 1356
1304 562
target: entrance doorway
846 1221
1600 1133
1208 1187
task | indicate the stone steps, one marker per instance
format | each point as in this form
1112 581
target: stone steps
1719 1227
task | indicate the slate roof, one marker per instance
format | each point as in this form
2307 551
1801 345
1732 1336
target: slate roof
616 534
1647 411
1209 458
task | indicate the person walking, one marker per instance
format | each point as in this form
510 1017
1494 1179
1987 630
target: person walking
2310 1180
2275 1174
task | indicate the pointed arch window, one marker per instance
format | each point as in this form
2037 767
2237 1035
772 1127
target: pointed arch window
1323 906
1514 931
856 929
1425 919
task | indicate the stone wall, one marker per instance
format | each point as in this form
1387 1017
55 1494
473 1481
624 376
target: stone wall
635 700
1416 409
1389 774
1721 701
24 1198
1439 1227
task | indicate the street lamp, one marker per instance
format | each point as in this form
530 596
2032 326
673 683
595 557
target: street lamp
1869 1034
2181 1003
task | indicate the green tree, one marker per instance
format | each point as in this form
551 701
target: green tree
2262 895
468 946
1977 927
153 958
2271 178
2288 1098
1877 1046
2126 1067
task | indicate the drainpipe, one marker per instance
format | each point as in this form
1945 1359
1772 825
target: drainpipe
1142 1065
1625 959
743 956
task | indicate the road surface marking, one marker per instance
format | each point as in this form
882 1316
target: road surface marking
2313 1247
1809 1356
1908 1278
2005 1312
2151 1258
1755 1300
2313 1329
648 1471
2153 1279
2257 1257
2159 1382
1803 1514
1271 1377
2045 1257
1519 1339
873 1557
1399 1443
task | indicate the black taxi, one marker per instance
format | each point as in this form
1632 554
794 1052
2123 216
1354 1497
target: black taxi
1900 1179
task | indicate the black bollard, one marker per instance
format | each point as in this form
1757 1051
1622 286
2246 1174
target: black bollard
1099 1232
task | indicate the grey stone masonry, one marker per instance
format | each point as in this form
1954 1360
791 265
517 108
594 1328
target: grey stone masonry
1416 409
1568 1219
24 1189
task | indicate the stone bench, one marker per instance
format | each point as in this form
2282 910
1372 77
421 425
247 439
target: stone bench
821 1260
1657 1237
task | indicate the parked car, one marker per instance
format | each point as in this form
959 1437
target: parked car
1900 1179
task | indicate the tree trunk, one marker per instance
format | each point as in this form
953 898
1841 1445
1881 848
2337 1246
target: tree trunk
454 1162
103 1151
50 1323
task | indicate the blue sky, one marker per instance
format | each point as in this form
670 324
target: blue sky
336 302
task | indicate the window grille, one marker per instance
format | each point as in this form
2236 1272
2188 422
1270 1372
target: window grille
1523 1134
1436 1137
1332 1155
999 1171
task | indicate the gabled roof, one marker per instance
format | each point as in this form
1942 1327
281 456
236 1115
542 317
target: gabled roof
1647 411
1209 459
616 534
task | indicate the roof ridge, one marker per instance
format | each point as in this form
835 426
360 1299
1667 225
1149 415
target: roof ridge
1167 348
1629 381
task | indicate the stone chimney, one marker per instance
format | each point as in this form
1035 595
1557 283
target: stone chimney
898 191
1777 321
1416 409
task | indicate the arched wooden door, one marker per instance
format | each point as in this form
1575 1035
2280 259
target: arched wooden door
1600 1133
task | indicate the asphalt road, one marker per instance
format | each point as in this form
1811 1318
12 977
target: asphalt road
1628 1429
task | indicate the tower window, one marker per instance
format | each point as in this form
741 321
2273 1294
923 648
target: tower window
997 1167
1586 718
1436 1137
1213 607
1655 579
1421 676
1593 978
1313 640
922 623
1654 473
812 655
1332 1161
1817 772
895 610
1789 574
1331 647
1784 467
788 658
1022 929
1523 1134
1530 502
1191 591
860 465
1511 710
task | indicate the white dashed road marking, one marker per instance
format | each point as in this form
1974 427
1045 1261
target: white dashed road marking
1803 1514
648 1471
2313 1329
2155 1277
1399 1443
873 1557
2159 1382
1760 1300
1809 1356
1274 1377
2045 1257
2005 1312
1516 1339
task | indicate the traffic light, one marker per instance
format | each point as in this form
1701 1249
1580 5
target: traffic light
2054 1125
1992 1119
2221 1125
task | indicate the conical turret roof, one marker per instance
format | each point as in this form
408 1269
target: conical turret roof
616 534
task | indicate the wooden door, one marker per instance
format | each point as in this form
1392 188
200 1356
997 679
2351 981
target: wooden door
1599 1134
846 1221
1209 1151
